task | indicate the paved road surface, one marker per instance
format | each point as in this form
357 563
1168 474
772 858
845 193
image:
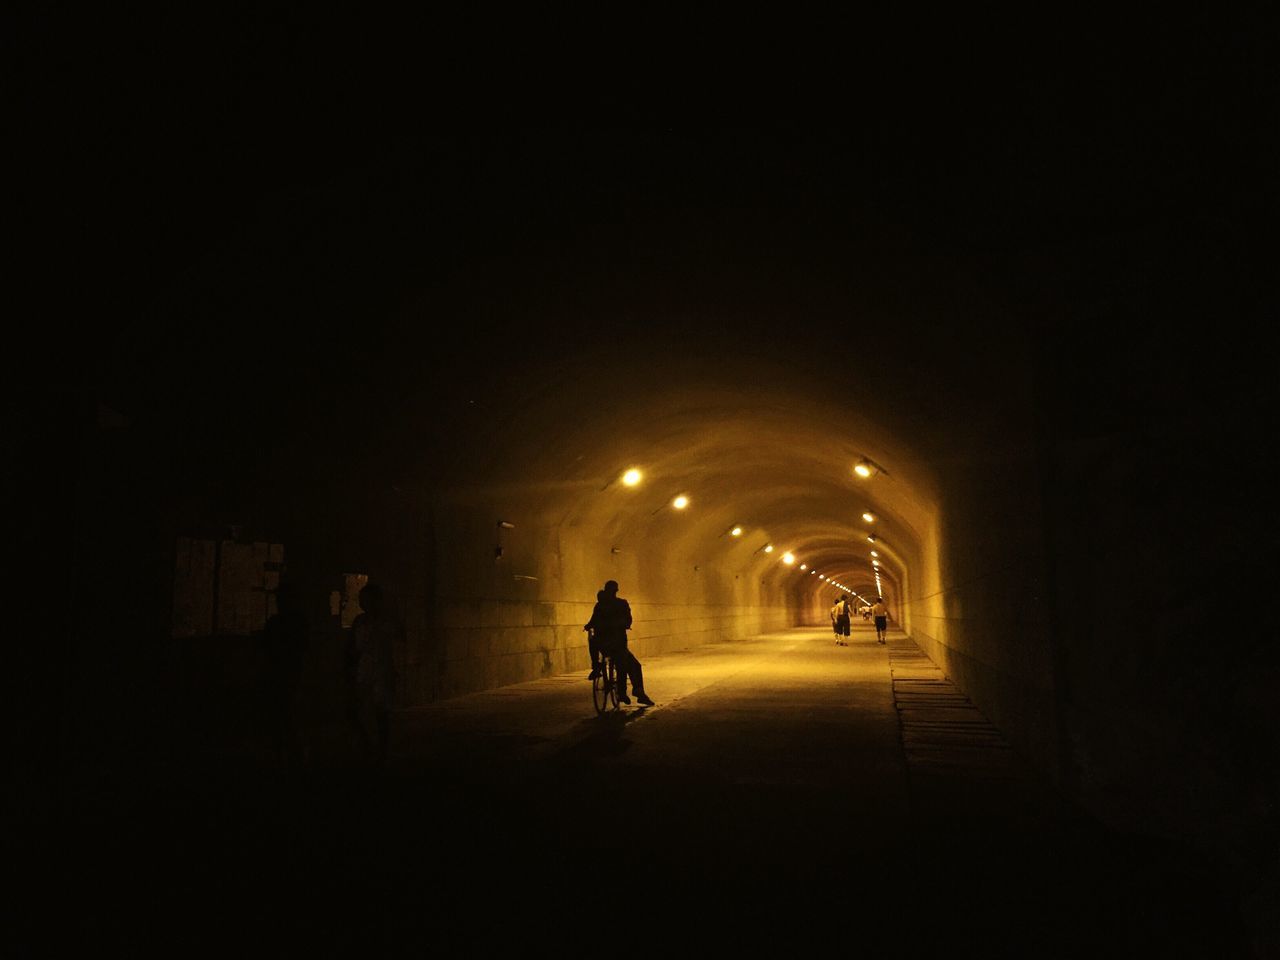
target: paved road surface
783 790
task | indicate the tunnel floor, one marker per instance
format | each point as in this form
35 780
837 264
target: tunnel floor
781 785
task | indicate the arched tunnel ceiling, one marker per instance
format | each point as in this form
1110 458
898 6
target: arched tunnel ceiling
744 449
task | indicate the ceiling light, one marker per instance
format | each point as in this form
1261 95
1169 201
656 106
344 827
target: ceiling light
869 517
631 477
680 502
866 467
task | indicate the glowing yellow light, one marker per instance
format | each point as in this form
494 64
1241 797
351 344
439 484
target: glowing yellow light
788 559
874 554
862 470
875 563
871 539
870 518
812 572
631 478
804 566
680 502
768 548
736 531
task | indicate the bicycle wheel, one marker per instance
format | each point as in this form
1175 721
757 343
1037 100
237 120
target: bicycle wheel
601 686
613 684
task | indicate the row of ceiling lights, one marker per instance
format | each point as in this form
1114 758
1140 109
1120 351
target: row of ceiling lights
865 468
875 566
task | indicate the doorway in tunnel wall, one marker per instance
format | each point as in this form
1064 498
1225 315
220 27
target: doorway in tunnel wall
348 601
224 587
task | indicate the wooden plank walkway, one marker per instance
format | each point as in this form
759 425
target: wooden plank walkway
944 736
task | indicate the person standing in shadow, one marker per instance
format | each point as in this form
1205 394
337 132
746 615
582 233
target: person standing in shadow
285 641
371 668
612 619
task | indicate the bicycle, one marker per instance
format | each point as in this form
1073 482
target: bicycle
604 685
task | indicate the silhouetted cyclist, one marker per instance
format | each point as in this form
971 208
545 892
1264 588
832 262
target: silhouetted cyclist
612 620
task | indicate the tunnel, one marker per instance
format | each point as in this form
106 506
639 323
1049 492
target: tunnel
771 503
738 374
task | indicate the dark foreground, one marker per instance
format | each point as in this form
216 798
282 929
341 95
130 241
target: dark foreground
766 803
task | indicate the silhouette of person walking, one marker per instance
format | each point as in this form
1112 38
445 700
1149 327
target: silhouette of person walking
611 619
285 642
371 671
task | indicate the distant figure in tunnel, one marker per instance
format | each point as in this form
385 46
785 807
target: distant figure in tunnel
371 671
593 643
881 613
835 619
612 619
843 614
285 645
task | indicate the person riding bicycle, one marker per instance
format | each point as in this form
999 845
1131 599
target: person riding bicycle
610 621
